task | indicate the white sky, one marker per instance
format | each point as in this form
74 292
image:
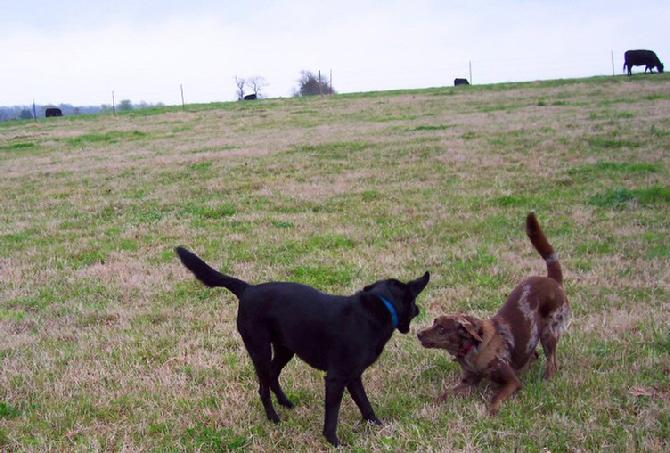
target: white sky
78 51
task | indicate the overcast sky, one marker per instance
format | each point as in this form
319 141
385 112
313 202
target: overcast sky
78 51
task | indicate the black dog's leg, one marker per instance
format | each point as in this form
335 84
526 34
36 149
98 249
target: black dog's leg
334 392
281 357
357 392
260 353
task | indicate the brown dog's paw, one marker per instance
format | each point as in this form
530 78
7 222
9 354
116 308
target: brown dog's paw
494 410
460 390
442 398
549 373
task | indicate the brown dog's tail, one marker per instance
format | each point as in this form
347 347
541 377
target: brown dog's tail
541 244
210 277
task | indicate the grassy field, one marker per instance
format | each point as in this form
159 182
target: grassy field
107 343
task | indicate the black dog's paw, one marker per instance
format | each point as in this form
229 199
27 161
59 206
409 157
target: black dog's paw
377 422
373 421
331 437
286 403
333 440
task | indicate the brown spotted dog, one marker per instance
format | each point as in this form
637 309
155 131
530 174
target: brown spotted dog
504 345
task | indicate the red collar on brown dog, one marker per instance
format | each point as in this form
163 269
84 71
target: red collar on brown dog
465 349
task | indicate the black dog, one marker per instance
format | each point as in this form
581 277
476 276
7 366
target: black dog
342 335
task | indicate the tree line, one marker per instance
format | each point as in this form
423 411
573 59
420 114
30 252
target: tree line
309 84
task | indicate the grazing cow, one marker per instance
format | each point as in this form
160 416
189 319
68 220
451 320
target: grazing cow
646 58
53 111
458 81
250 97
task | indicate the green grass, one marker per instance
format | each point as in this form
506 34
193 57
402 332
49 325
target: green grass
611 142
107 343
106 137
8 411
620 196
326 277
433 127
211 439
605 167
15 146
336 150
210 212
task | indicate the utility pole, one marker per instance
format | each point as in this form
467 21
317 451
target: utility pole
320 90
34 111
470 65
113 104
612 62
181 89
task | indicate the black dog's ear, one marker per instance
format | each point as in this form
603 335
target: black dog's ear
418 285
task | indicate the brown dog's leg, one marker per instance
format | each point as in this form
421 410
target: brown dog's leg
533 358
468 382
510 383
549 342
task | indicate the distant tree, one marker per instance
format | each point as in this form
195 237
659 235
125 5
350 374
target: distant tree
125 105
26 114
257 84
309 85
239 82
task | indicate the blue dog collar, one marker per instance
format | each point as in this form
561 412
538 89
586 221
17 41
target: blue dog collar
390 308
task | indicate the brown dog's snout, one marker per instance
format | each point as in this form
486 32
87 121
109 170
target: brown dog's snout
421 333
423 336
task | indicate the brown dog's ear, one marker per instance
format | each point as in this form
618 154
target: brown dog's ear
471 326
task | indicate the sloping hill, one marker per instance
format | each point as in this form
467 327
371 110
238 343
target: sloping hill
107 342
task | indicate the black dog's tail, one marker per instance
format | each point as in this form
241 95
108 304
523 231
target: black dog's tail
541 244
210 277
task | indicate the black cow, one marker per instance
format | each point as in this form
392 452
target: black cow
646 58
250 97
458 81
53 111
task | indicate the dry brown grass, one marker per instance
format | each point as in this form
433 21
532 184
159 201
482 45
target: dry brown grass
106 343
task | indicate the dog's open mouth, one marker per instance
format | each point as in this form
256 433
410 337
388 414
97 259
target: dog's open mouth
428 343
